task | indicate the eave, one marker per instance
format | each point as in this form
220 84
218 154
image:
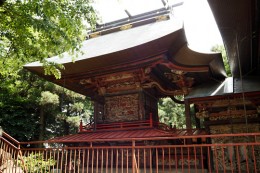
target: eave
161 45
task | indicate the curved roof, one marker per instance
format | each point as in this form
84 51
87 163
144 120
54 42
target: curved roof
120 41
133 48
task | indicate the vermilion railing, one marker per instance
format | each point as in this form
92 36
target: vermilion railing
142 156
116 126
123 125
10 153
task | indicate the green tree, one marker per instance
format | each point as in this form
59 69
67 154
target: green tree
47 101
18 105
221 49
28 102
171 113
72 109
33 30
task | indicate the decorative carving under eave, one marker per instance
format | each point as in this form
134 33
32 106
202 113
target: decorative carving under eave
127 85
117 82
141 78
178 77
162 90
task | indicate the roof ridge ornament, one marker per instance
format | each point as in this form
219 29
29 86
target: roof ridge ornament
162 18
125 27
95 34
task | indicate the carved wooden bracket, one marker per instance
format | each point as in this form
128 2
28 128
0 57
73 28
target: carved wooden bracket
116 82
178 77
162 90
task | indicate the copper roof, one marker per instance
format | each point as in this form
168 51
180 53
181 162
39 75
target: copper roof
124 135
135 47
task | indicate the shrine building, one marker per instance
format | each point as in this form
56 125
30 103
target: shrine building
127 66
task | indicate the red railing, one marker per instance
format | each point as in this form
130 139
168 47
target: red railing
123 125
9 154
117 126
146 156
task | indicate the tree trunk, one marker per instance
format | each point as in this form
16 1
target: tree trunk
42 124
66 124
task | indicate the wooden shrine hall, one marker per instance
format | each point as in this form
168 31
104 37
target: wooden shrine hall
127 71
127 66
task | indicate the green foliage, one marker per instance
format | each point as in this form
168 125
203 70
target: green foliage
17 116
34 30
221 49
21 99
74 107
48 98
36 162
52 68
171 113
18 106
65 117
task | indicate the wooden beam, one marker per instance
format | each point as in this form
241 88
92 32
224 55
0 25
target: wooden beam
232 121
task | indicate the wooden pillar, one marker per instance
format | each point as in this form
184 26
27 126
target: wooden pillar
187 114
151 119
95 114
188 120
197 120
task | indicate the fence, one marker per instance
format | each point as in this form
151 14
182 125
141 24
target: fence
189 154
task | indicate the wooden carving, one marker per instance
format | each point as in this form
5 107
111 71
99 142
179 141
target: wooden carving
240 113
138 79
122 108
162 90
115 82
231 102
178 77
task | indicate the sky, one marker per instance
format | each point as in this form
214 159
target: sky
200 27
199 24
